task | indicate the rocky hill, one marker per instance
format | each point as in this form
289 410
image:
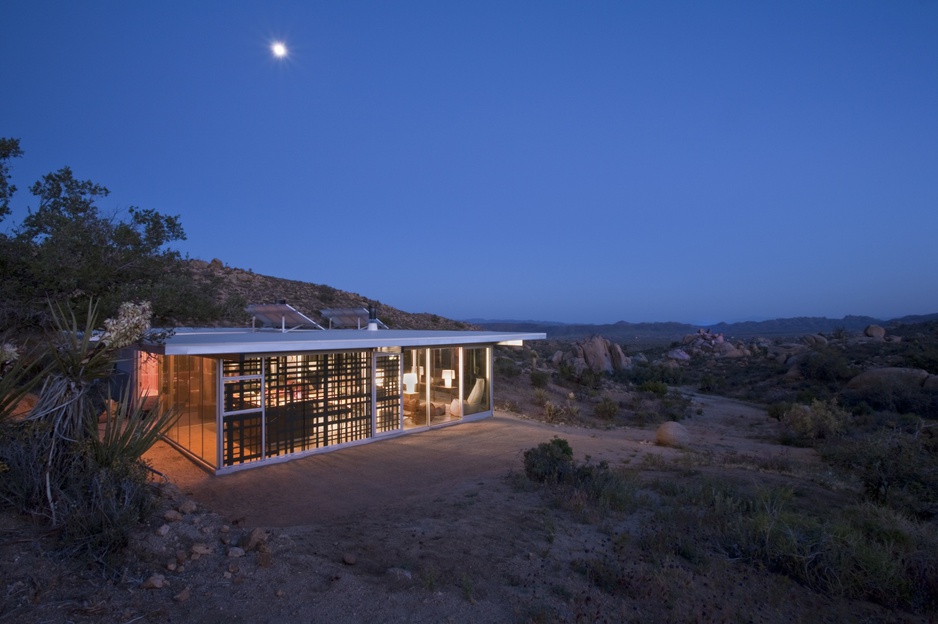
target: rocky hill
235 288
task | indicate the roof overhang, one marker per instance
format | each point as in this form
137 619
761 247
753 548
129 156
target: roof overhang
219 342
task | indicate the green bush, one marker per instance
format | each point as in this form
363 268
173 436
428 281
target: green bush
549 462
816 421
505 367
552 411
655 387
778 410
825 365
606 409
896 469
539 379
585 487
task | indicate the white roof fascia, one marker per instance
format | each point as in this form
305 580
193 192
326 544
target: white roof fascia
228 342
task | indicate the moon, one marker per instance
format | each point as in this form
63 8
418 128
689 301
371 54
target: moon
279 49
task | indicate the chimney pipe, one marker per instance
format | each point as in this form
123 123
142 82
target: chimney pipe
373 317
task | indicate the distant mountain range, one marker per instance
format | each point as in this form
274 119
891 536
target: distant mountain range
643 334
238 287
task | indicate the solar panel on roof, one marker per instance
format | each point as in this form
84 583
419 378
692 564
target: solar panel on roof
348 318
280 316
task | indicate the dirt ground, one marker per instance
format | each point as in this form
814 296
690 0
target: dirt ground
420 528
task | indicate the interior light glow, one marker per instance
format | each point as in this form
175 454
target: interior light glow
410 383
448 376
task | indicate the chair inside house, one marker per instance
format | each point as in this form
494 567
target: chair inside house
473 400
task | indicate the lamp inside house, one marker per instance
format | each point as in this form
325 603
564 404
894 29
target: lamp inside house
448 376
410 383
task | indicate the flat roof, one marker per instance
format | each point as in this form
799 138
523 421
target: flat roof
227 341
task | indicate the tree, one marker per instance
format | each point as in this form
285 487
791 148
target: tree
66 251
9 148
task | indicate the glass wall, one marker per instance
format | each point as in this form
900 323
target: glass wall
415 388
187 384
242 413
476 380
443 380
275 406
316 400
431 386
387 392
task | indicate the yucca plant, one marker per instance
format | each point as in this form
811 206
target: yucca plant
75 392
128 431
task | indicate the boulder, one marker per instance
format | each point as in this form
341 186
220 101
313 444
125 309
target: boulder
678 354
877 377
557 358
931 383
620 361
672 434
727 350
596 353
815 340
875 331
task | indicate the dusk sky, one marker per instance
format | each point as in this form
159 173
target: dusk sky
584 161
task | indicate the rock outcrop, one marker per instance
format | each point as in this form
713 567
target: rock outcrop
596 354
707 343
890 376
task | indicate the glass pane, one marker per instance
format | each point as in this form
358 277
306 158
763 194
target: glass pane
476 382
388 393
242 394
415 388
187 384
444 385
241 366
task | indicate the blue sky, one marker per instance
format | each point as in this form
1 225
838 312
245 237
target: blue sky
570 161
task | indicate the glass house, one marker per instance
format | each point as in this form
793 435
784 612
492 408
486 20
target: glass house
247 397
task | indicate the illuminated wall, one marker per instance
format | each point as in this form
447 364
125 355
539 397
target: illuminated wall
187 384
273 406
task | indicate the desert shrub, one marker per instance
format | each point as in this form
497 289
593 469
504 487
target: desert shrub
900 398
649 372
816 421
862 552
710 383
506 367
105 504
539 379
778 410
552 411
896 469
655 387
825 365
540 397
96 507
549 462
90 486
606 409
584 488
586 377
604 488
